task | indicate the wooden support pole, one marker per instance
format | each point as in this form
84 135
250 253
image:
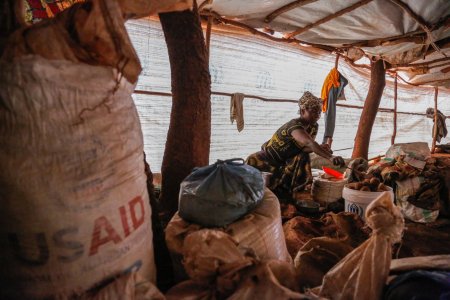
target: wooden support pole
270 17
395 111
189 136
435 127
328 18
336 62
369 112
208 35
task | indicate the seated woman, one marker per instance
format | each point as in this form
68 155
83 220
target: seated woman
286 154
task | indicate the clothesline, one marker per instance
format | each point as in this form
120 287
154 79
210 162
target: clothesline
142 92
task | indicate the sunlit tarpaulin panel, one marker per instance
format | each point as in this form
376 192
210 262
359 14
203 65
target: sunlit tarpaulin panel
247 64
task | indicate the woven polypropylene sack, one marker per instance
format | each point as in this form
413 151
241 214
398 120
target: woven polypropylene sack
74 204
261 230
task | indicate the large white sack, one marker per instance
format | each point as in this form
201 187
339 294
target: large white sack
74 205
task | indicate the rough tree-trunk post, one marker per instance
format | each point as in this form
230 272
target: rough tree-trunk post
369 112
189 136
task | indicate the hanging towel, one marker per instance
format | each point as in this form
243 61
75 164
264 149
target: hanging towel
237 110
332 80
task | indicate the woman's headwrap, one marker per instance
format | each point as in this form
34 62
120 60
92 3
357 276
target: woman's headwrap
310 102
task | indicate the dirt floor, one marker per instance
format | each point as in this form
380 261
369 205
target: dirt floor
418 239
425 239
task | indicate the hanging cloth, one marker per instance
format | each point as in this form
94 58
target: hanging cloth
441 126
330 114
332 80
237 110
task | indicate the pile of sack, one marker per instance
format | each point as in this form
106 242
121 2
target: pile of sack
226 233
416 178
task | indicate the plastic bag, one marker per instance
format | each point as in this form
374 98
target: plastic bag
219 194
405 190
416 151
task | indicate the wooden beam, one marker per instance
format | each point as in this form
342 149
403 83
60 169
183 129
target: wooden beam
412 14
435 127
394 133
369 112
208 36
432 82
423 64
413 36
265 35
422 23
270 17
278 100
204 3
328 18
445 70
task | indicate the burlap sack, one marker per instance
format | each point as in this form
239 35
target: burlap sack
317 257
74 205
128 287
91 32
363 272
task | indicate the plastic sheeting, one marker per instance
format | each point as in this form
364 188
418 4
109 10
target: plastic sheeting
251 65
377 19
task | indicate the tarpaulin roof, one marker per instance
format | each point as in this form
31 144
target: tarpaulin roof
402 32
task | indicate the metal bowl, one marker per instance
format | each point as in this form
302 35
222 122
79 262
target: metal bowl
308 207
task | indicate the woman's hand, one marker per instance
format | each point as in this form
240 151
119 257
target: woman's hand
338 161
327 148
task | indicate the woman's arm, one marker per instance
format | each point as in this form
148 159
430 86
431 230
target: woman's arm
303 138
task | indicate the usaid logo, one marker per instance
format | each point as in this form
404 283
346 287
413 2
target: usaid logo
353 208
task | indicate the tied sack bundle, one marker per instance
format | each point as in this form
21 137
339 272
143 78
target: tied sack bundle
260 230
362 274
219 194
75 211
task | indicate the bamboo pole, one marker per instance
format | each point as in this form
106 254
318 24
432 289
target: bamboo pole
395 111
435 127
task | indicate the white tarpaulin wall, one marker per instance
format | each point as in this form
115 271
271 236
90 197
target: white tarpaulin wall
254 66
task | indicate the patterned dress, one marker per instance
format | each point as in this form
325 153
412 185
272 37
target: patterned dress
285 159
